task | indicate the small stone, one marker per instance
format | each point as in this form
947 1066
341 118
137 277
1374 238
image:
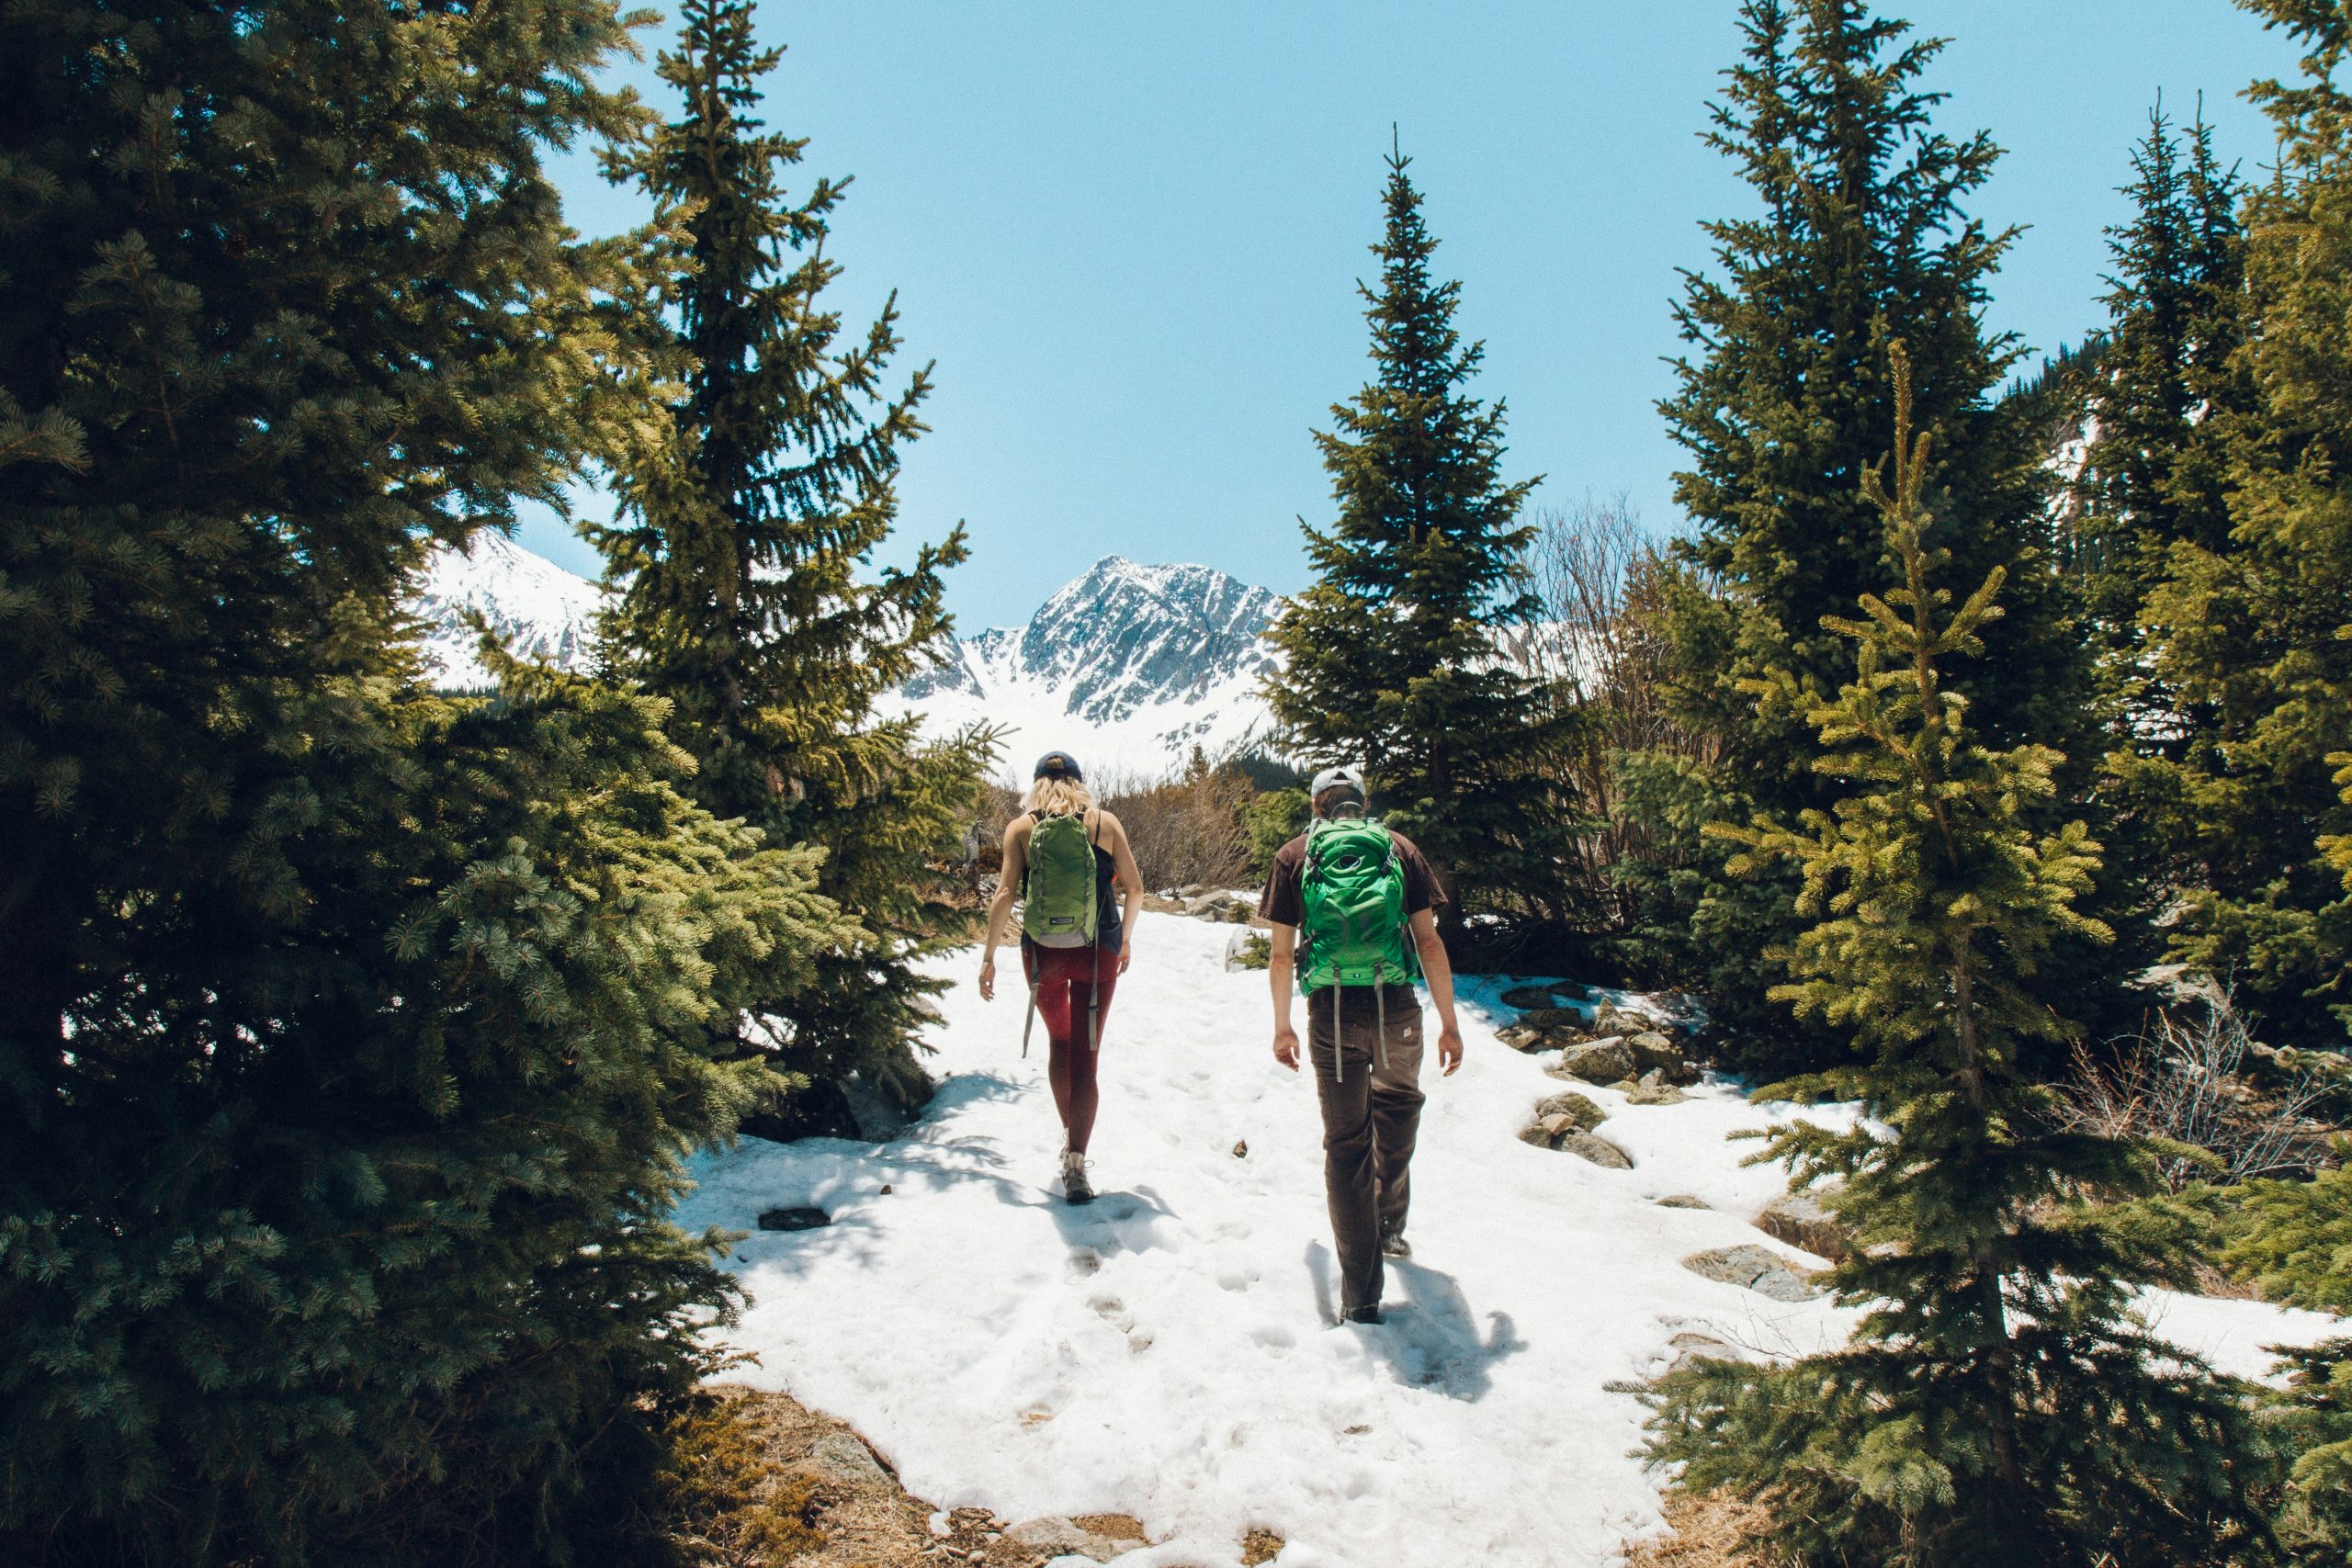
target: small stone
1241 1148
1600 1151
1520 1037
1654 1052
1802 1220
1533 1132
841 1457
1605 1060
1683 1200
1689 1344
1581 1113
1755 1269
794 1219
886 1190
1655 1094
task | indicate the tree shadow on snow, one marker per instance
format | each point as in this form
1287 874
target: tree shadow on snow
1430 1338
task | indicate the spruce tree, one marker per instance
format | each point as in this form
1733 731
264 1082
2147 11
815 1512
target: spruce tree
2254 633
1862 237
351 1040
1998 1401
1390 656
2154 472
747 597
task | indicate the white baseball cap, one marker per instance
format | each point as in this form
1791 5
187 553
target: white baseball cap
1345 775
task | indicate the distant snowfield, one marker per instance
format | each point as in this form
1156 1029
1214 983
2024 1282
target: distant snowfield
1168 1352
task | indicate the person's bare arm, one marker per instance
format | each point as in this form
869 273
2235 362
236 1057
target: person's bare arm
1439 971
1279 962
1129 881
1009 869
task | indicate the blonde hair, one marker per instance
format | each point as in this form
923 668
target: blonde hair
1058 797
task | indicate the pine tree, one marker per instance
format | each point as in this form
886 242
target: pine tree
2254 634
1391 654
1863 237
351 1040
1998 1402
2154 473
742 559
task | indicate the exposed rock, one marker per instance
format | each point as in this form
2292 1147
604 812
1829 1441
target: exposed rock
1552 1018
1802 1220
1260 1546
1690 1344
839 1456
1754 1268
1099 1536
1683 1200
1520 1037
1575 1107
1605 1060
1648 1093
1241 1148
1230 907
1653 1050
1600 1151
1529 996
794 1219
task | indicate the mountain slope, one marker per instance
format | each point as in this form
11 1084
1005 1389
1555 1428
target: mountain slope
538 609
1130 667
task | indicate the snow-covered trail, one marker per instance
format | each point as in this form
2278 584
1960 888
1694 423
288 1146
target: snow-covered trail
1168 1352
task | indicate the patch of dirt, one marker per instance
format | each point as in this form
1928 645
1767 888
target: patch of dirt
758 1480
1707 1530
1260 1546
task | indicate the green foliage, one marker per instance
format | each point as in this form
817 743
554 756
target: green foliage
1271 820
1997 1401
2294 1241
751 513
1390 653
351 1040
2254 634
1862 238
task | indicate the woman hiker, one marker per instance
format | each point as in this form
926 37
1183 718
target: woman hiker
1063 856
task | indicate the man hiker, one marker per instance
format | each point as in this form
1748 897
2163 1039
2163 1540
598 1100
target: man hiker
1068 862
1351 901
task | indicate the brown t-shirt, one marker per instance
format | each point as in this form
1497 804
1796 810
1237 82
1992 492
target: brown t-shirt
1285 905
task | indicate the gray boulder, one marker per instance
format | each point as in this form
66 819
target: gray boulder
1802 1220
1654 1050
1600 1151
1575 1107
1061 1536
1606 1060
1754 1268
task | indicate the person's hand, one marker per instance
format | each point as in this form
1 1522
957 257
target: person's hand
1127 956
988 978
1286 1046
1449 1047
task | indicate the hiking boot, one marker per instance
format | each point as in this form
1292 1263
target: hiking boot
1075 1189
1394 1244
1362 1314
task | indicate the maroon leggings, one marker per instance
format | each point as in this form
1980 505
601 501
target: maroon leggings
1066 979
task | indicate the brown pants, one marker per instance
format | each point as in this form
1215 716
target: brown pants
1370 1115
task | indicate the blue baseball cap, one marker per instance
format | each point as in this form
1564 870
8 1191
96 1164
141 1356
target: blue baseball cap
1059 765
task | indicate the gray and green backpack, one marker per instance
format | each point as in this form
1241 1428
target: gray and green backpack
1354 890
1060 907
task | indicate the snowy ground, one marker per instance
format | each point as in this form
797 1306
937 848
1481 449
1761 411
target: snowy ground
1168 1352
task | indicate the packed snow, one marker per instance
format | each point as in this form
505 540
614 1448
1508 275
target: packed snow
1170 1352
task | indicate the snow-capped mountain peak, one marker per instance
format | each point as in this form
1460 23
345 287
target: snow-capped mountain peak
538 609
1130 664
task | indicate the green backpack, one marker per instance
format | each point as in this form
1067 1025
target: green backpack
1061 908
1353 888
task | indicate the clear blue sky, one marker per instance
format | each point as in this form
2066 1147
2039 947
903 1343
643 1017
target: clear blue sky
1129 231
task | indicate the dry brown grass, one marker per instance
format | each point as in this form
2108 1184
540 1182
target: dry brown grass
1707 1531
